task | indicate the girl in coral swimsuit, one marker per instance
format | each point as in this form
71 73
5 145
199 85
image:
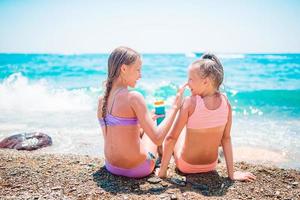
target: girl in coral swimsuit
207 116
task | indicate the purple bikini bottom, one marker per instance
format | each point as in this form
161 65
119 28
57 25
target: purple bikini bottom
139 171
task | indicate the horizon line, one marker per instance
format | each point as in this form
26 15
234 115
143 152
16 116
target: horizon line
179 52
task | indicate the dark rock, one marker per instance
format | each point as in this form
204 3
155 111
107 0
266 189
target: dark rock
26 141
177 181
156 188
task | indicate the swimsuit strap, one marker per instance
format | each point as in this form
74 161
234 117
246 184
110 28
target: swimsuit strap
114 95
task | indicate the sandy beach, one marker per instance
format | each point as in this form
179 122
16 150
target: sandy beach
34 175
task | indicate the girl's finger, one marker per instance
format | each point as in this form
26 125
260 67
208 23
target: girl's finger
182 88
251 175
247 178
250 178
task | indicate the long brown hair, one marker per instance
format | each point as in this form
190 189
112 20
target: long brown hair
119 56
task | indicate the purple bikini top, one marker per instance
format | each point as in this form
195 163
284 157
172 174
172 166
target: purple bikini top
115 121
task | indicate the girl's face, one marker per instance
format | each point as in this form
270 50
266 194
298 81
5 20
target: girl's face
196 84
132 73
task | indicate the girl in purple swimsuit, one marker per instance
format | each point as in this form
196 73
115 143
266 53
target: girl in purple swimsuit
122 113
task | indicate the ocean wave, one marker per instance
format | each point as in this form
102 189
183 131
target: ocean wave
278 103
18 94
288 98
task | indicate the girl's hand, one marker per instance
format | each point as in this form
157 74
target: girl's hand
178 102
243 176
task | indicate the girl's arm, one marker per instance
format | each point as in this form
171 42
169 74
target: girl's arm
172 137
156 134
226 144
227 148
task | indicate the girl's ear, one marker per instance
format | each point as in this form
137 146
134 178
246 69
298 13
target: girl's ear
123 68
206 81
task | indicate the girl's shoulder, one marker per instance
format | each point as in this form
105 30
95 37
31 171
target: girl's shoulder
135 95
135 98
190 100
224 96
189 104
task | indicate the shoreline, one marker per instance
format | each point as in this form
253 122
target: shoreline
37 175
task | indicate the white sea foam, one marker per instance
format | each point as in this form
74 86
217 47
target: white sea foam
18 94
190 55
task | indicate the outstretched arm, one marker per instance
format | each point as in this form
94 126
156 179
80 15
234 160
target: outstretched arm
227 148
156 134
172 137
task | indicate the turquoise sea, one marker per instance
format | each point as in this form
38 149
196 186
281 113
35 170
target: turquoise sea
57 94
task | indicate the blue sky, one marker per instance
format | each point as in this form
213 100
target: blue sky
150 26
